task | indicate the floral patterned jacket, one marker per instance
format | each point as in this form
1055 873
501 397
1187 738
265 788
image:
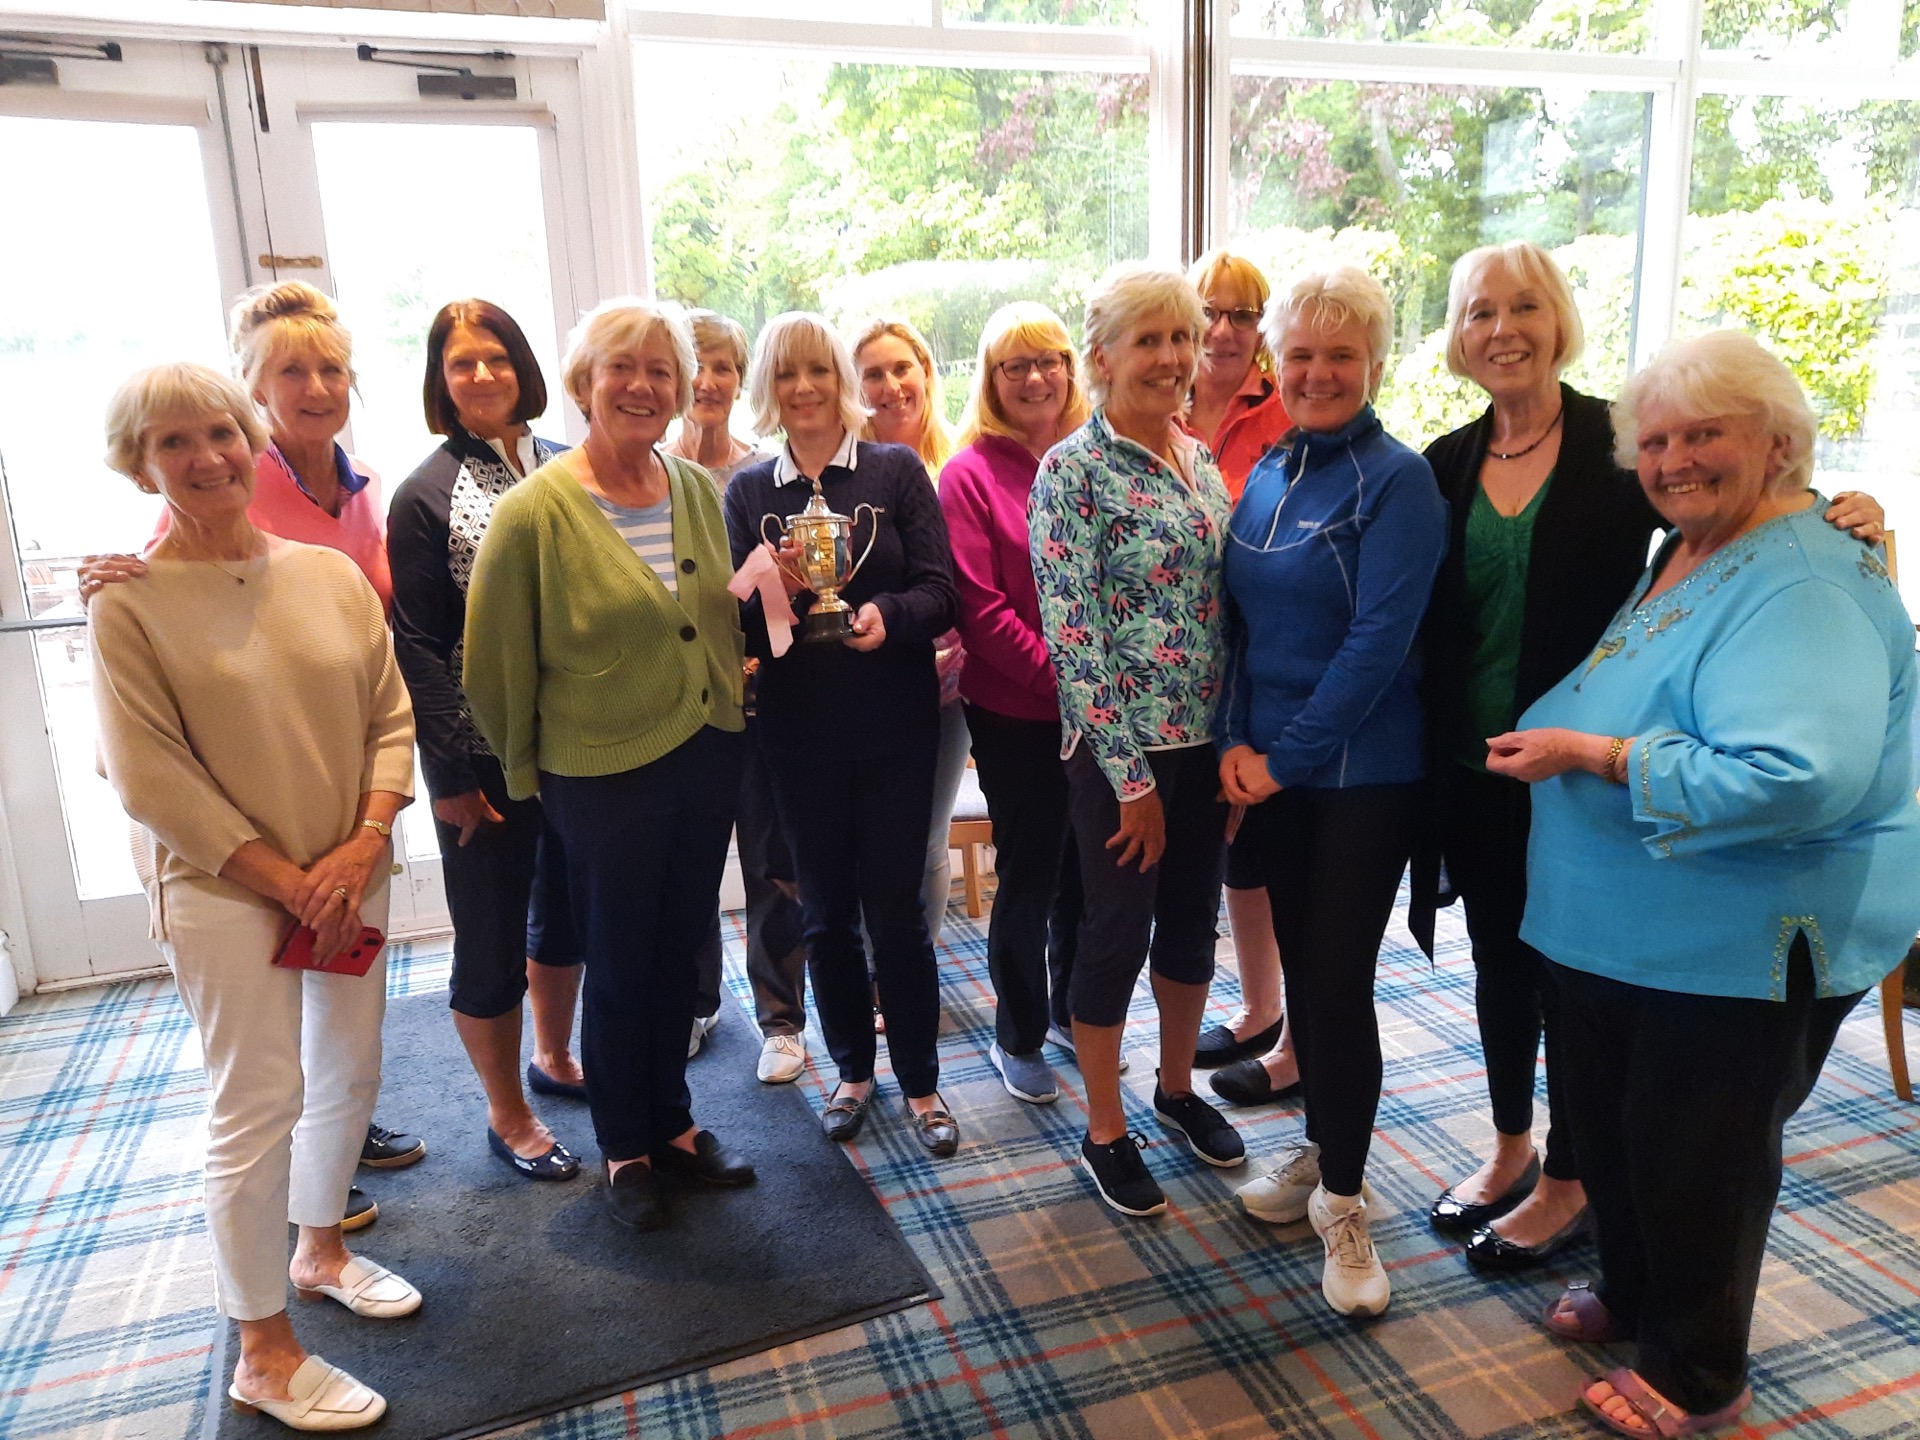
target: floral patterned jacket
1128 561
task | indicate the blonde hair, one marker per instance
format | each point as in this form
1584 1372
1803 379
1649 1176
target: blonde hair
1024 324
1527 263
934 443
1329 299
1723 372
270 320
1125 297
714 331
624 326
151 396
1222 269
788 338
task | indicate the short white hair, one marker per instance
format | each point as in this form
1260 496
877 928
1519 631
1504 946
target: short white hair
1124 299
1527 263
1328 299
788 339
623 327
1723 372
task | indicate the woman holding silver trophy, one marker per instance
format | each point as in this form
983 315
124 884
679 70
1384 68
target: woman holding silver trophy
849 702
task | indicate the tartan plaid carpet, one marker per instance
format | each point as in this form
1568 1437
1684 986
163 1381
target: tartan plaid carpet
1060 1318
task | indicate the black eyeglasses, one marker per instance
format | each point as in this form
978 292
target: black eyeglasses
1018 370
1241 319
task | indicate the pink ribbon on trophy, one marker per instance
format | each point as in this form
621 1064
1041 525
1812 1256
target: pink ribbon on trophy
762 572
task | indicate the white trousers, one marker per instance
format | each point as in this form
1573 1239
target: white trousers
293 1068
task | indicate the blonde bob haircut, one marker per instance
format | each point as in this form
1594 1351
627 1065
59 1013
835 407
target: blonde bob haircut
1723 372
714 331
149 398
1222 271
786 341
1529 265
623 326
934 444
1123 300
1328 299
291 317
1022 325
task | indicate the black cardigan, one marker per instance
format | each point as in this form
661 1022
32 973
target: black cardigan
431 565
1590 543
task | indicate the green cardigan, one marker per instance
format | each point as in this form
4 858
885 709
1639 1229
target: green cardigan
577 659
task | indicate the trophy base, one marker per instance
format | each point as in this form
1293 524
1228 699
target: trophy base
826 627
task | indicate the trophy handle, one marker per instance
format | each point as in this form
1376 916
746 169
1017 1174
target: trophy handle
876 511
785 532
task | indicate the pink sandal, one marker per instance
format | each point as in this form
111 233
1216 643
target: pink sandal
1664 1420
1592 1323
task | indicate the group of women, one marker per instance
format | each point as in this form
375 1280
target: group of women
1172 591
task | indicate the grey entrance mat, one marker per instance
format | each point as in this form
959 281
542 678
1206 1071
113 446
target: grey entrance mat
536 1300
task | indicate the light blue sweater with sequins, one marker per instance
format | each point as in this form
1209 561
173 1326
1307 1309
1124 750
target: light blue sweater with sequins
1770 783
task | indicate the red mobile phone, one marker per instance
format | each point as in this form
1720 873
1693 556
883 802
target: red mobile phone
296 952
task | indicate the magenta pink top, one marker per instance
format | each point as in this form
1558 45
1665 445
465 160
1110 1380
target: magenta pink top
281 506
983 491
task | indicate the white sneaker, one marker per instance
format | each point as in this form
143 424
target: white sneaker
1354 1281
1280 1196
701 1025
782 1058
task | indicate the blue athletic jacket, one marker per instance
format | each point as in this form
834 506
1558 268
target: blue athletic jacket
1331 556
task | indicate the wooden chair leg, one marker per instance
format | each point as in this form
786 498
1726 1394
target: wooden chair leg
970 876
1892 997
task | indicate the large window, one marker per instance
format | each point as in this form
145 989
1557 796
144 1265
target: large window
1804 229
1758 167
927 191
1404 179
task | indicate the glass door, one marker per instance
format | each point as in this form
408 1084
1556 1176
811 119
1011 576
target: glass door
122 249
325 169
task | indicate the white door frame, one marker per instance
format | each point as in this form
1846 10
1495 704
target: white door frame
48 937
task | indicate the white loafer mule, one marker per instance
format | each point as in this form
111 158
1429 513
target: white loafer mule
319 1397
369 1290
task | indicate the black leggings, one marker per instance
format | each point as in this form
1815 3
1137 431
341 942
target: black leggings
1677 1104
1332 862
1487 818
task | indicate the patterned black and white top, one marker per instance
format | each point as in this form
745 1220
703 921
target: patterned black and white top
438 518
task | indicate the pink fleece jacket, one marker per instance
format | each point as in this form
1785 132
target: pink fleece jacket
983 491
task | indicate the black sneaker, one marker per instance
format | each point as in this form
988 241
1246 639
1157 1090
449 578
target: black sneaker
1120 1175
1210 1135
361 1210
390 1150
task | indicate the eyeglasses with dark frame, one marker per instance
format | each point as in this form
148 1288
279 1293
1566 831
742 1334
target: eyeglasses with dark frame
1018 369
1241 318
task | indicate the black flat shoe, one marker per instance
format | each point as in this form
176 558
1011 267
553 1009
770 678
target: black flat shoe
1246 1082
1489 1250
1451 1215
842 1118
558 1163
709 1161
541 1083
634 1199
936 1130
1217 1046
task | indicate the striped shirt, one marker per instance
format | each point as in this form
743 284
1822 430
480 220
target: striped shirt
649 530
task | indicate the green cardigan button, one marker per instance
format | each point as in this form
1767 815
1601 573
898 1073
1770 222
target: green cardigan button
687 632
687 565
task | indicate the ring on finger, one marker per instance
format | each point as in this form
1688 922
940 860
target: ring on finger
340 892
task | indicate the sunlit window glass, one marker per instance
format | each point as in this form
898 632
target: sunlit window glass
1805 232
1404 179
930 193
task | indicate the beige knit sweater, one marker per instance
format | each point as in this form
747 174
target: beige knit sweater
246 701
